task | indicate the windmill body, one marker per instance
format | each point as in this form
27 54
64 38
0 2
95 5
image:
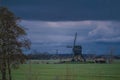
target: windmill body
77 50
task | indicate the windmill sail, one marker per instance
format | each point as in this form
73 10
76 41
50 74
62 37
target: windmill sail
75 39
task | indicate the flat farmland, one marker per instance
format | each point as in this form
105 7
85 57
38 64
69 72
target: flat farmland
67 72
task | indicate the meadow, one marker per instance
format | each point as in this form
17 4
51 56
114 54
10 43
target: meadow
67 72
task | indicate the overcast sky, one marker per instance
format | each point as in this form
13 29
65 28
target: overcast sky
65 10
52 23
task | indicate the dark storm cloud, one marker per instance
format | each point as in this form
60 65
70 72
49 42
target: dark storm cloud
65 10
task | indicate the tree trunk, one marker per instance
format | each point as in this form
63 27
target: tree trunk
3 71
9 69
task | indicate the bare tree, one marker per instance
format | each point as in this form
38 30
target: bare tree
111 54
12 41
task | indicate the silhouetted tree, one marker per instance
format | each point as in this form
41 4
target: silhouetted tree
12 41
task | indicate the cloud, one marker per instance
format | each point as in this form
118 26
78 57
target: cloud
106 32
101 30
40 31
88 31
65 10
48 35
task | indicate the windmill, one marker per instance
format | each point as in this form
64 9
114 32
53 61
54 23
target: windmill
77 50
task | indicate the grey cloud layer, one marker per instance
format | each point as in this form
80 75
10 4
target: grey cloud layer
103 31
95 36
65 10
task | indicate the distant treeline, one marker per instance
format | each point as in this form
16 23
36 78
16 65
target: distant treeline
47 56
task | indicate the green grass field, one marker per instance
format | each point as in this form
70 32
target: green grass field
67 72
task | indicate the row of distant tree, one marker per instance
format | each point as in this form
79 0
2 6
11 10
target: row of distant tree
47 56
